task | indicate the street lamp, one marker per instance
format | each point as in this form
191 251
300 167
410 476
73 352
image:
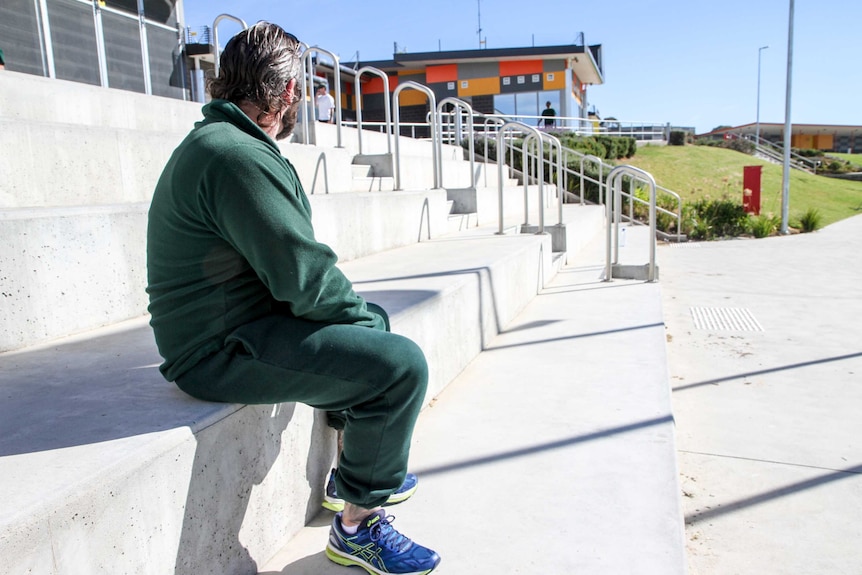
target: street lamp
785 178
757 131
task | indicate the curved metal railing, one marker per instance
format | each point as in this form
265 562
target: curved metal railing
218 19
529 132
386 104
396 97
613 213
459 106
310 135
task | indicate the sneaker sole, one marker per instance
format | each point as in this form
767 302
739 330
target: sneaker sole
341 558
338 504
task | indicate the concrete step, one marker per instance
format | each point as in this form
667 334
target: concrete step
558 439
120 469
30 98
71 269
372 184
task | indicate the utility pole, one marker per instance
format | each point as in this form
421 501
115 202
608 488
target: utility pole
479 31
785 180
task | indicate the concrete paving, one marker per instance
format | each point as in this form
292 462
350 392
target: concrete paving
553 452
765 354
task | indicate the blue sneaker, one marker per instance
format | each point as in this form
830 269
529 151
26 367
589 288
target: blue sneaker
378 548
332 502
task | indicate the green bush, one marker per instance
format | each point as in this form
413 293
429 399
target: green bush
811 220
763 225
677 138
708 219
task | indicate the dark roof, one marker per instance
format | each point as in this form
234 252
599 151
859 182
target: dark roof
586 59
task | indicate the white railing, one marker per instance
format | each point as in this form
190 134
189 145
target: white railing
642 131
614 217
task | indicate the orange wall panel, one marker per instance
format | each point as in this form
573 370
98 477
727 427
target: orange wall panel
823 142
520 67
437 74
374 85
479 87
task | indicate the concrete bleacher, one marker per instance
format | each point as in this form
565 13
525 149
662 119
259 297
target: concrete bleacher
107 467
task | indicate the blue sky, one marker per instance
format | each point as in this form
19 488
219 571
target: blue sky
690 63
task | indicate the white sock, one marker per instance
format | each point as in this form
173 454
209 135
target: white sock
349 529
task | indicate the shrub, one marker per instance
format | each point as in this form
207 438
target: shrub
811 220
708 219
677 138
764 225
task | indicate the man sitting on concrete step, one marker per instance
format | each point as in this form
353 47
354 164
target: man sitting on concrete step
248 307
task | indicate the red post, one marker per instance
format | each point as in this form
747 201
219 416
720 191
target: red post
751 189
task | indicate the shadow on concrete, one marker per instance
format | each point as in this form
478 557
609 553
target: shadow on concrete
90 391
746 374
550 446
849 473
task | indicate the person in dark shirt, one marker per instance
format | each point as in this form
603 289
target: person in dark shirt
549 116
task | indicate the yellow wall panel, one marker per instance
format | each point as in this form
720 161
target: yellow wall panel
554 80
411 97
479 86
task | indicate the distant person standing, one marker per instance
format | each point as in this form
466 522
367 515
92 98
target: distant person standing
2 60
549 116
325 105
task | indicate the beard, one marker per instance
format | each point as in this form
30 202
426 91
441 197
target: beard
288 121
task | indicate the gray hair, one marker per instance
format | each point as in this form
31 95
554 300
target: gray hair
256 66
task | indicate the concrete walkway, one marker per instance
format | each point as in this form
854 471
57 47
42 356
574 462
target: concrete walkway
767 396
553 452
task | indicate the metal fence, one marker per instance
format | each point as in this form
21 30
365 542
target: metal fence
127 44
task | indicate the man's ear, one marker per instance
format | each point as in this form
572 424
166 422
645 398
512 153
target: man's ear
290 91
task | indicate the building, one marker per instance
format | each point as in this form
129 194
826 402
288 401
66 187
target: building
144 46
825 137
490 80
127 44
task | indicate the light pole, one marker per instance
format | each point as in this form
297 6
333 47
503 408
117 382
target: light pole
785 179
757 130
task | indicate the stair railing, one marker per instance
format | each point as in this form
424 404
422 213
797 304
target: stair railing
541 162
386 104
532 134
613 212
216 49
396 97
309 66
455 114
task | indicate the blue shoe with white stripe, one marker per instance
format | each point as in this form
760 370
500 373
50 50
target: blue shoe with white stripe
378 548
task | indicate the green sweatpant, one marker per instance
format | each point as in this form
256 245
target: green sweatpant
377 379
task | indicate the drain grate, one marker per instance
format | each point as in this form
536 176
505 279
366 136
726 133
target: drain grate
684 244
724 319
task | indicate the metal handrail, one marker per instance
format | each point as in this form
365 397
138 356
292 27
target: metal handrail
776 152
396 97
216 48
531 133
309 65
601 164
456 113
587 126
386 104
613 207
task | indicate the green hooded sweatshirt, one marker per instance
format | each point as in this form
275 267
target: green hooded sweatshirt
230 240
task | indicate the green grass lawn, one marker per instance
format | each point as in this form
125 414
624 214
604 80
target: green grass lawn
695 172
855 159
